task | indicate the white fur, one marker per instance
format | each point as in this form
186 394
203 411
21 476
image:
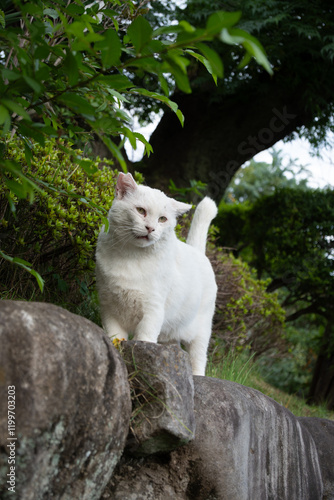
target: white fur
150 283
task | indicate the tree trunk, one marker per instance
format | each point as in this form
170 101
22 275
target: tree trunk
220 135
322 386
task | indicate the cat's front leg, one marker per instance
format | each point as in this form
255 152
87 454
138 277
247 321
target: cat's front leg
113 329
148 329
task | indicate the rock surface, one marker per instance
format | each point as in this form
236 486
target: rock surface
322 431
72 405
72 416
162 396
247 447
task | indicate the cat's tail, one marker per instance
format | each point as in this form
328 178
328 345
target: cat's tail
206 211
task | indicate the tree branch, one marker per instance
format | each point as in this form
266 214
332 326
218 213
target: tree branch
306 310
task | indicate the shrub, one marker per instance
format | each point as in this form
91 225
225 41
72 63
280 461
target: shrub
247 317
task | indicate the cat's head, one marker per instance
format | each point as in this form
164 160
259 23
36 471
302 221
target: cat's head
142 216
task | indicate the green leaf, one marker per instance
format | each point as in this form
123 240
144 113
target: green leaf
180 116
162 98
28 152
110 48
26 266
112 14
32 131
70 66
73 8
140 33
187 26
105 222
4 115
148 147
77 103
131 136
204 61
213 58
16 108
10 75
2 19
17 188
164 84
117 82
180 75
235 36
76 28
219 20
88 166
51 13
118 95
32 83
168 30
115 151
245 61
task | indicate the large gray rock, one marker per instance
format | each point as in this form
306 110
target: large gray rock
247 447
162 397
322 431
72 403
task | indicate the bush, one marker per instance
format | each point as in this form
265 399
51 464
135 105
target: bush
57 232
247 317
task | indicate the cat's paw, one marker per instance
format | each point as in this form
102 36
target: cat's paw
117 343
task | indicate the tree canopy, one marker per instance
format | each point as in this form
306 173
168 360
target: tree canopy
67 68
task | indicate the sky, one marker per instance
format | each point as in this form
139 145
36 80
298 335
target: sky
321 169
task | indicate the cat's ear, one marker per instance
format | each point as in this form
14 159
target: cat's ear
180 208
125 184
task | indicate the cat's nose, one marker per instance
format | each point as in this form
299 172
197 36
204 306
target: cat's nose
149 229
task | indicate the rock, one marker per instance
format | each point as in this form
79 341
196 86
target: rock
247 447
322 431
162 396
72 403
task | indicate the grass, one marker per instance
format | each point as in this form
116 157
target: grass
234 366
242 369
292 402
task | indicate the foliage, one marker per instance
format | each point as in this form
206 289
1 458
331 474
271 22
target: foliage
289 237
67 67
293 372
257 179
298 37
246 316
194 193
57 232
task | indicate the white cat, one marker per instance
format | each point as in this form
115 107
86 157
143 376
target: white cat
150 283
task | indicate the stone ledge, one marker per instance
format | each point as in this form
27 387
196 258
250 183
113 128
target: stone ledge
162 395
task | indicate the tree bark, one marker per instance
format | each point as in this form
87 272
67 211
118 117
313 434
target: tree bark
322 386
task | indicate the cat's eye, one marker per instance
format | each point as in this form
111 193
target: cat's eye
141 211
163 219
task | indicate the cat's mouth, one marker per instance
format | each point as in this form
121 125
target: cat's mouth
142 237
